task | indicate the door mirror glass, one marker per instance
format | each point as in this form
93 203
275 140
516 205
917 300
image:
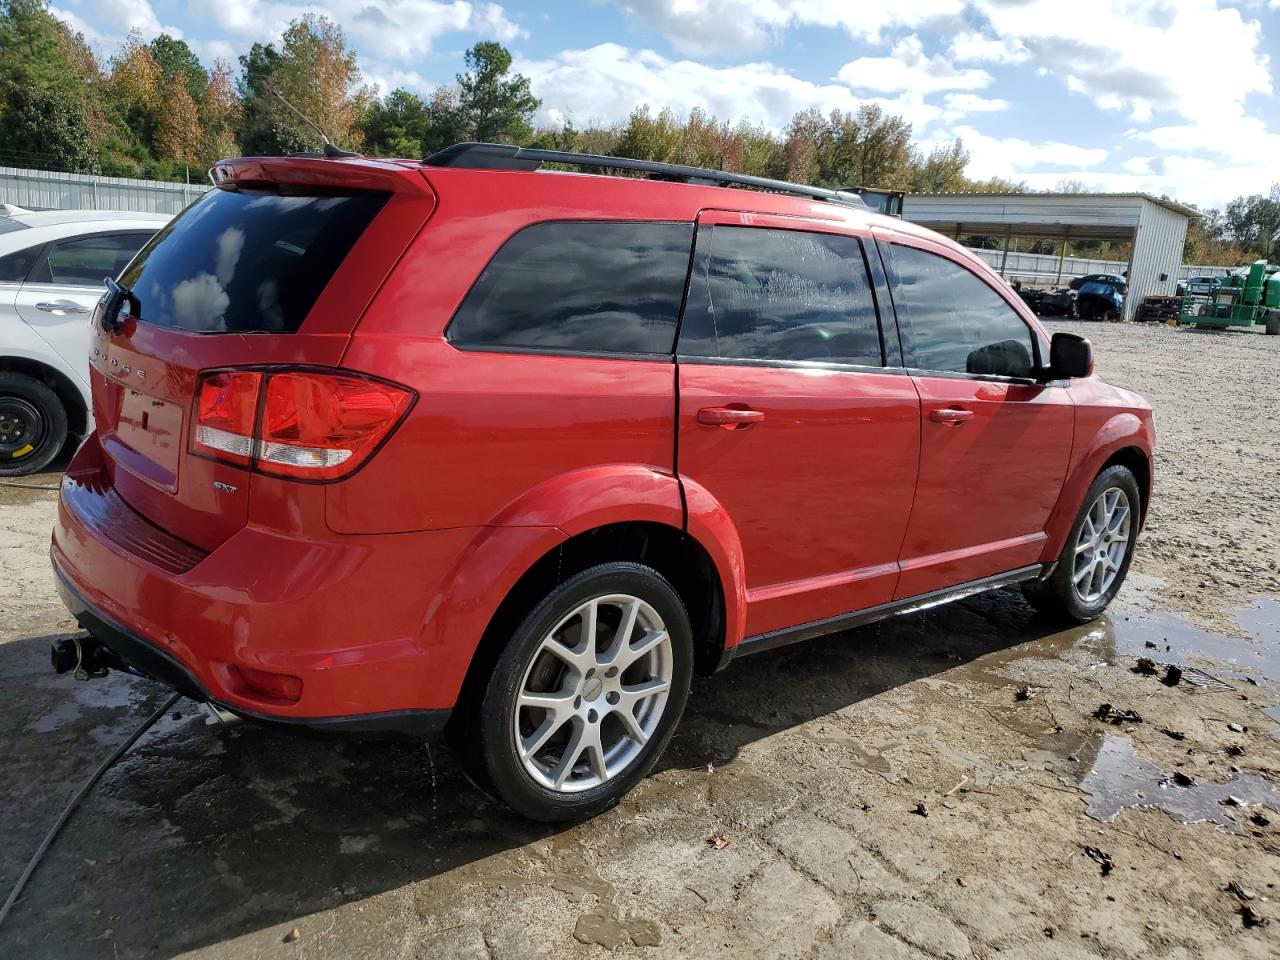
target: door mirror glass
1070 355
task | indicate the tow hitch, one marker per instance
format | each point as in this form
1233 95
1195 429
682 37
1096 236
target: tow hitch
87 657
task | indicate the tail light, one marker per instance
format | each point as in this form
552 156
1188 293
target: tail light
304 424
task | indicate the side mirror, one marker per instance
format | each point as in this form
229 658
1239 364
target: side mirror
1070 356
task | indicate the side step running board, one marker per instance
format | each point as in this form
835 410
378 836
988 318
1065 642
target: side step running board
847 621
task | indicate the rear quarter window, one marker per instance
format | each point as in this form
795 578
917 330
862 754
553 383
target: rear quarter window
246 262
582 286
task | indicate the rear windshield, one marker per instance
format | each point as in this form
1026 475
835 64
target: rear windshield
245 262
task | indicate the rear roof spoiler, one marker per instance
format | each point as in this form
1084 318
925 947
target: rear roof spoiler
501 156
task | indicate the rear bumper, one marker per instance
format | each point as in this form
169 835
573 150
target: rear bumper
159 665
345 614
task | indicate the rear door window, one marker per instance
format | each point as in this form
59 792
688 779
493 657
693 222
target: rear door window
958 324
247 262
582 287
763 294
87 261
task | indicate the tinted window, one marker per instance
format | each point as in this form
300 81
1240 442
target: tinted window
761 294
245 262
87 261
14 267
597 287
9 225
958 323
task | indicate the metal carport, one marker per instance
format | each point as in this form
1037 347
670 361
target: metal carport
1157 227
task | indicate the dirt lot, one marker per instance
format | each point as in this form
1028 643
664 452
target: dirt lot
936 786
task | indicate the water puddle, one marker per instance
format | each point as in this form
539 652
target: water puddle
1170 638
1120 779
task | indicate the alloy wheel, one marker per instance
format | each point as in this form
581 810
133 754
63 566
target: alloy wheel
1101 545
593 694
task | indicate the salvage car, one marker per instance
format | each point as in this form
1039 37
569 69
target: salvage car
52 265
477 445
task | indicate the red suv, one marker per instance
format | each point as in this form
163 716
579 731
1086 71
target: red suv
385 444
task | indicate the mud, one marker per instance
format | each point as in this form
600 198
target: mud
814 763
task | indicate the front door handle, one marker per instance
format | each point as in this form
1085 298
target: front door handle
61 307
728 417
951 415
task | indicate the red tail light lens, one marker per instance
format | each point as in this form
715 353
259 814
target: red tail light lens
313 425
319 426
226 408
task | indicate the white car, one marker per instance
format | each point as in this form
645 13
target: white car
52 266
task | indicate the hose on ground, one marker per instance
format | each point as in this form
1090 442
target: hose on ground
63 817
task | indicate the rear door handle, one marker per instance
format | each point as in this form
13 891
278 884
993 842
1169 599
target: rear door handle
728 417
61 307
953 415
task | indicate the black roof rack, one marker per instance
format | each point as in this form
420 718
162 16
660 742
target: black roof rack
501 156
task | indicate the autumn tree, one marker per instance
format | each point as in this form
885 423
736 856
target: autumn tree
942 170
179 64
313 76
220 114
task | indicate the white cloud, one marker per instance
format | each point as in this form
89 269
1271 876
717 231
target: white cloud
909 69
605 82
391 29
726 27
123 16
1142 56
1014 158
963 103
971 47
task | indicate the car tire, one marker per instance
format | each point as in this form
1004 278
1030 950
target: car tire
578 756
1092 566
1273 323
33 425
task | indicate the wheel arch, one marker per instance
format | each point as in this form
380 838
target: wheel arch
66 389
604 512
1125 440
672 552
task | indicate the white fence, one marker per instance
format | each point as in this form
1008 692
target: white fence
46 190
1042 268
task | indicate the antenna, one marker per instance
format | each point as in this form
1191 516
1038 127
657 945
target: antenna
304 118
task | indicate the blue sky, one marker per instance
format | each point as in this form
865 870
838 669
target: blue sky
1178 97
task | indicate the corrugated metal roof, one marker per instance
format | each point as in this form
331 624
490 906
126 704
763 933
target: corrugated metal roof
1181 208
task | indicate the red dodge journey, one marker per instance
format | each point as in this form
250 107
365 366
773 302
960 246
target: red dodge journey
384 446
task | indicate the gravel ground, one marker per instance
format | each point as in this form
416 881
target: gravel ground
937 786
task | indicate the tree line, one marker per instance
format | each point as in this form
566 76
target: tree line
152 110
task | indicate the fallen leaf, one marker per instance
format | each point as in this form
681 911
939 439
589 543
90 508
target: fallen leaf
1244 893
1109 714
1145 666
719 841
1175 734
1102 859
